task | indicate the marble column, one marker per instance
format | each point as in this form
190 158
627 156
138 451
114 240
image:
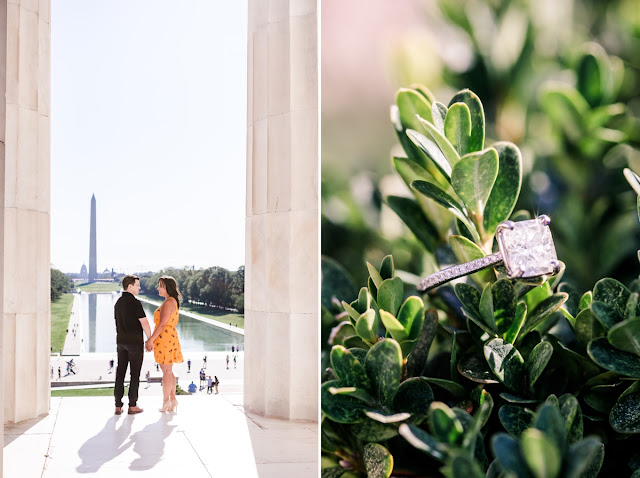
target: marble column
282 222
24 208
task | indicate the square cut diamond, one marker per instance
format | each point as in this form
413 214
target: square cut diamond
527 248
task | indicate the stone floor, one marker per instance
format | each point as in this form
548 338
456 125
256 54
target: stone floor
211 435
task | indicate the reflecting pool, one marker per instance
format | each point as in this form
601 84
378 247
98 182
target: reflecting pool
98 330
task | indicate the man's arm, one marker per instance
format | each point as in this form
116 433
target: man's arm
147 330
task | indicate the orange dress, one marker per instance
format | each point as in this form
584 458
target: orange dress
166 347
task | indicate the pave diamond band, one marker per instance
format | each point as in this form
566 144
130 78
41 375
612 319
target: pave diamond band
525 248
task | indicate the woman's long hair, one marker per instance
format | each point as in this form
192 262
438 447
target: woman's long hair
171 286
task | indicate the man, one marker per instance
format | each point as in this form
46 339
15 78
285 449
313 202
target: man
131 321
209 385
192 387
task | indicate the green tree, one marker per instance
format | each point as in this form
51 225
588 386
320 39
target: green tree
60 284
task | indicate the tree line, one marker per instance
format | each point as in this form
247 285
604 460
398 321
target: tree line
60 284
213 287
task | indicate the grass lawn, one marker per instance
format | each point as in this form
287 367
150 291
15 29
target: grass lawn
86 392
60 313
210 313
99 287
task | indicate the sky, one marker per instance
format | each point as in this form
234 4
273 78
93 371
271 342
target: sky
148 112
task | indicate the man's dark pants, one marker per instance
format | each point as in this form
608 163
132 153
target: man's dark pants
132 354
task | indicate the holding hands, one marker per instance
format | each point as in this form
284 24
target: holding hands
148 345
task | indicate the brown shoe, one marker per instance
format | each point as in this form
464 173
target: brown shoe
134 410
118 410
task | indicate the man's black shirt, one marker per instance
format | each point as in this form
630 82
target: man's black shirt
128 312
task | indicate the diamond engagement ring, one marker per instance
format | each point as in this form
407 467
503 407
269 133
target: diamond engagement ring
525 248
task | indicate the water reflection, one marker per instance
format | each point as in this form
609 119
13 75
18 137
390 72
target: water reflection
98 329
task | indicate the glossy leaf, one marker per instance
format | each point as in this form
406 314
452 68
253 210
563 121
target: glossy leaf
387 268
412 215
438 114
367 326
480 419
625 414
506 189
414 396
348 368
466 251
505 362
606 314
468 97
390 295
587 328
443 143
371 430
472 179
518 321
612 293
475 369
549 421
421 440
393 326
432 151
585 300
515 419
506 449
355 341
444 424
610 358
632 310
486 307
584 459
457 127
377 460
340 408
384 368
504 305
375 275
572 415
469 296
418 357
626 336
544 310
541 454
455 389
538 360
411 316
340 332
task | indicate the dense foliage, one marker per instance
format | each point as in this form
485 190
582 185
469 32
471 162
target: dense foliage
213 287
492 376
60 284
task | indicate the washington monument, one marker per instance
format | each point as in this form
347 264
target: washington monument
92 242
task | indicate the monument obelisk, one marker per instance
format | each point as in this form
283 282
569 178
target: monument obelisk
92 242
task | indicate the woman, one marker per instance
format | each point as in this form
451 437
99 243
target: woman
166 345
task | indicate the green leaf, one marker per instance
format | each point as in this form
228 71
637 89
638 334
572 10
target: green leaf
538 360
610 358
412 103
438 113
468 97
486 307
355 342
480 419
566 108
443 143
367 326
353 392
543 310
340 408
612 293
455 389
466 251
375 275
418 357
472 179
463 465
387 268
444 424
469 297
549 421
393 326
504 305
333 472
412 215
587 328
606 314
340 332
572 414
584 459
411 316
506 189
384 368
505 362
540 454
390 294
371 430
431 150
457 127
421 440
626 335
518 321
507 451
475 369
364 300
625 414
377 460
515 419
585 300
336 282
594 76
348 369
443 199
632 309
414 396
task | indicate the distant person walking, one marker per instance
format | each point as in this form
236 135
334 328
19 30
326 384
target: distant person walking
204 362
209 385
215 383
227 362
59 373
165 342
234 362
189 366
111 363
131 321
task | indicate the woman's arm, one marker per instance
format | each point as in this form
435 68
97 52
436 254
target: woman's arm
166 309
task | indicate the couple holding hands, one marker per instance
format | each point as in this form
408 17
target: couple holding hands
131 322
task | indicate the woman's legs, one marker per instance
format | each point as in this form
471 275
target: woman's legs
168 382
173 387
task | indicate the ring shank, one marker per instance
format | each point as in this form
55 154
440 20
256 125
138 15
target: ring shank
441 277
